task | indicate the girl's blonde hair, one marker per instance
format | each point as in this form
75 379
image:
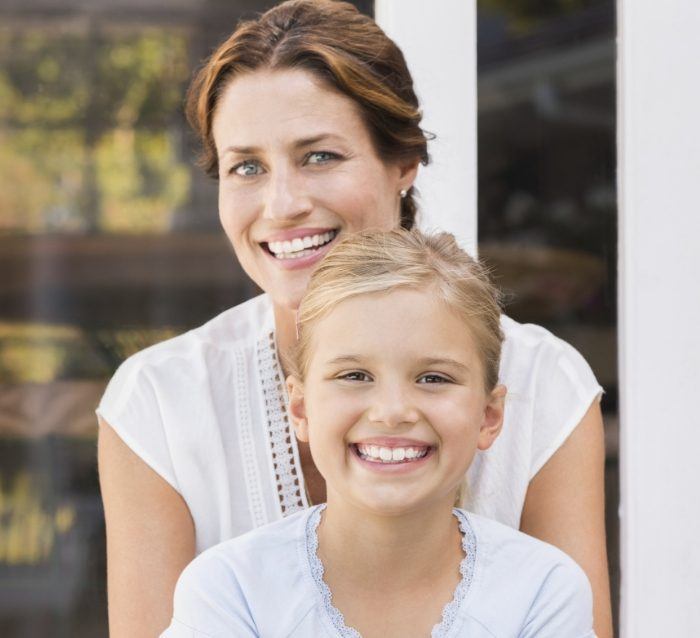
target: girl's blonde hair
375 262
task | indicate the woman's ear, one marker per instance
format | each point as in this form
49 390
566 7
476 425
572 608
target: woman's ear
297 408
408 170
493 417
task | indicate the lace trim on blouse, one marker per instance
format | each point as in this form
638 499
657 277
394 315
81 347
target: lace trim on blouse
449 611
285 456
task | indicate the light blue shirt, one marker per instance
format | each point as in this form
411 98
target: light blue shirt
268 583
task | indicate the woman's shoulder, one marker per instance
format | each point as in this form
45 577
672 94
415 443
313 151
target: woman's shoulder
239 326
529 339
534 361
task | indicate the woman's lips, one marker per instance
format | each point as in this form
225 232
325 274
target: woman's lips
309 255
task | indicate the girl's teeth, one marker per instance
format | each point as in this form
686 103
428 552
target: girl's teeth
390 455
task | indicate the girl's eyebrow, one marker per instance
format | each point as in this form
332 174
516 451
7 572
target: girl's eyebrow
344 358
432 361
425 362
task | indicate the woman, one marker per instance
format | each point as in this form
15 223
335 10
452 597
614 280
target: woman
309 121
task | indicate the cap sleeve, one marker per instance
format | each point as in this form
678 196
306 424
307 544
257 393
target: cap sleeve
130 406
563 606
564 390
209 601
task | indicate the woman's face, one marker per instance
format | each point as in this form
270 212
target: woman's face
297 170
393 404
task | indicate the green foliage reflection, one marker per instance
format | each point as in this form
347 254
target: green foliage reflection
89 129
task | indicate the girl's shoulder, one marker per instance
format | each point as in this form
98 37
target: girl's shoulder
253 580
523 580
500 543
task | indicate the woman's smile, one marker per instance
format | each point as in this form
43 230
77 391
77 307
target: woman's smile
300 247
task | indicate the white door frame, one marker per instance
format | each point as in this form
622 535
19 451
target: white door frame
438 40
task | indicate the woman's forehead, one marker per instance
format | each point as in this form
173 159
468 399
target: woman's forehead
290 105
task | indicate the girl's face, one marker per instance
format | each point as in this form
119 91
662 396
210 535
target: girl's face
297 169
393 404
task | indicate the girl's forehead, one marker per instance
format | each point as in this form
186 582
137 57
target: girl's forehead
407 320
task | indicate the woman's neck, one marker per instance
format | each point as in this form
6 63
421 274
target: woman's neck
285 331
395 552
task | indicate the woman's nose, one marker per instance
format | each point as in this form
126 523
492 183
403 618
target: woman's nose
286 196
392 407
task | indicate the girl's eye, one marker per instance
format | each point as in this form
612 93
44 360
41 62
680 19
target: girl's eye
433 378
320 157
248 168
355 376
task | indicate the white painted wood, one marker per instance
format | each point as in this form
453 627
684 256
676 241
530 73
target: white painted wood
438 40
659 323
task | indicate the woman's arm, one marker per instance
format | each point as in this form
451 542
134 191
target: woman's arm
150 540
565 506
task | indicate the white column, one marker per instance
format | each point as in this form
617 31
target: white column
439 42
659 323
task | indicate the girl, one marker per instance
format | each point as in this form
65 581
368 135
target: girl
309 122
394 387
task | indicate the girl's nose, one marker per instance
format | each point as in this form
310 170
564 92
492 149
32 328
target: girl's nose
286 197
392 407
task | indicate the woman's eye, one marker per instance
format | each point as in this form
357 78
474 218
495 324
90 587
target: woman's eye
354 376
248 168
320 157
433 378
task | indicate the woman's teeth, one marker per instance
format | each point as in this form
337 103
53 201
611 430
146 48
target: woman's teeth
300 246
380 454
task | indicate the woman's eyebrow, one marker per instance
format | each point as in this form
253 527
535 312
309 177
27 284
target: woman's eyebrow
315 139
240 150
300 143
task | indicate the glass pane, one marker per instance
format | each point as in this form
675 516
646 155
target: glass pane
547 201
109 242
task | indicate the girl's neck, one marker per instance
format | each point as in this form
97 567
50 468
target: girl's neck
389 551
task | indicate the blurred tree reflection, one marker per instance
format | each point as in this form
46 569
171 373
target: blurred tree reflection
88 134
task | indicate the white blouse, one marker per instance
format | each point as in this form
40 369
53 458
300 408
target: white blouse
206 410
269 584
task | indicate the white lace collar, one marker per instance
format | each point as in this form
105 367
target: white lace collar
449 611
283 447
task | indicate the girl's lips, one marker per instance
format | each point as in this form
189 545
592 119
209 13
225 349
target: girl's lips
299 263
402 467
391 441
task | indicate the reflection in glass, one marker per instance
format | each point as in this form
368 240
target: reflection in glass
547 200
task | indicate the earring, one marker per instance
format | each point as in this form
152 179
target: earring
402 193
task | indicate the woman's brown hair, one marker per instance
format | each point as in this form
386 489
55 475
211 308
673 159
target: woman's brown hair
339 45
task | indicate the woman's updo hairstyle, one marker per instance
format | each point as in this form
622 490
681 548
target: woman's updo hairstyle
339 45
378 262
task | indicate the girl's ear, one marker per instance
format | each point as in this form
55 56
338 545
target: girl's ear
297 408
493 417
